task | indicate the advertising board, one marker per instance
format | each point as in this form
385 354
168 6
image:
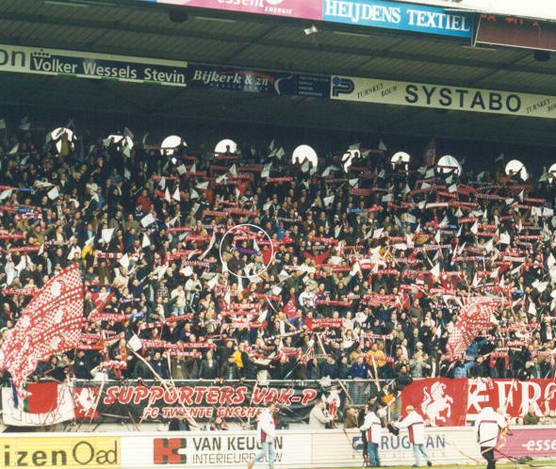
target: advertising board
393 15
208 76
306 9
69 452
516 32
164 72
43 61
295 448
457 98
531 441
214 449
540 9
374 13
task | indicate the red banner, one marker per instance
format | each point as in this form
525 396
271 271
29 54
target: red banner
442 401
448 402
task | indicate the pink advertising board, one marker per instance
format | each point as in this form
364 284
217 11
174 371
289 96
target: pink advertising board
535 442
305 9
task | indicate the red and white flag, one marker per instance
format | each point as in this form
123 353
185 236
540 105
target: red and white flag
51 323
474 318
49 403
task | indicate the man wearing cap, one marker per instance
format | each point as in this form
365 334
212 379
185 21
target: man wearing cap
416 428
266 433
488 425
372 428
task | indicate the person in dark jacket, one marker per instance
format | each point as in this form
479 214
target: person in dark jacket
159 365
209 368
329 367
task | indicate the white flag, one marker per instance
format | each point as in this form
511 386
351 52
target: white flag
124 261
147 220
176 195
146 241
107 234
504 238
265 173
53 193
5 194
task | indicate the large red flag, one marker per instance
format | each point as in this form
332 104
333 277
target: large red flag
442 401
51 323
474 318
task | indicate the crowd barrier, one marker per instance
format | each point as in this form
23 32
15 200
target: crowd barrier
231 449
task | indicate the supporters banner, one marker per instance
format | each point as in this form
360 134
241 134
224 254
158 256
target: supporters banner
455 401
204 401
306 9
394 15
206 76
458 98
91 65
540 9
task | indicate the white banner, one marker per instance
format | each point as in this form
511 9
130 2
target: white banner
458 98
91 65
538 9
231 449
443 446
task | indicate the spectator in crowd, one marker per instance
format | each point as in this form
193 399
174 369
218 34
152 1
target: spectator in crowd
317 417
531 417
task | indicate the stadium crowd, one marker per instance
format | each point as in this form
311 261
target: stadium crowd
357 275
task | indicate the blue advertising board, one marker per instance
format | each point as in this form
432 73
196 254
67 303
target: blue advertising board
400 16
277 83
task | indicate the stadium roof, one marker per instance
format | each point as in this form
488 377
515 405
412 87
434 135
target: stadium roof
262 42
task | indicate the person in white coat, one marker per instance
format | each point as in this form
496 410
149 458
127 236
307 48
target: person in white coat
266 434
416 429
488 425
372 428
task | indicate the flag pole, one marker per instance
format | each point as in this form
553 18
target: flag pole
187 415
